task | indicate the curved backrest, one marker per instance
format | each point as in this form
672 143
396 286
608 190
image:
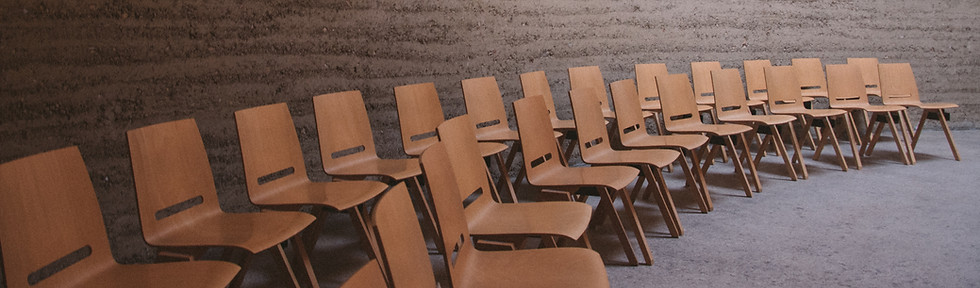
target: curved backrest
677 99
173 177
453 230
536 84
591 127
845 86
343 128
701 74
646 81
271 153
755 78
399 235
484 103
869 70
419 112
589 76
49 219
629 115
729 95
459 138
783 88
537 139
898 83
810 73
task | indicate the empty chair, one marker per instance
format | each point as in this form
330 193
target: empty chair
536 84
786 98
701 76
898 87
419 113
590 76
869 73
178 204
755 79
632 134
813 81
648 96
680 112
53 234
731 107
847 93
597 150
545 170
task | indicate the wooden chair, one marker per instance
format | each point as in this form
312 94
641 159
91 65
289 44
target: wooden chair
545 170
597 150
649 97
419 113
178 204
590 76
869 72
679 117
846 88
370 276
536 84
701 76
731 107
53 234
755 79
813 81
786 98
899 88
487 218
632 134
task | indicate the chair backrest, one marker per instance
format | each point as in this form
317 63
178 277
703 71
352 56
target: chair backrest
537 139
589 76
646 81
677 99
810 73
399 235
869 70
50 222
629 115
484 103
592 134
844 85
419 112
898 83
173 177
701 74
536 84
459 138
784 88
755 78
343 128
729 94
453 230
271 153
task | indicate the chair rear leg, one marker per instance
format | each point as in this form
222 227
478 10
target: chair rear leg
851 136
704 202
609 209
949 135
641 237
781 149
738 168
898 139
906 134
796 148
664 201
747 155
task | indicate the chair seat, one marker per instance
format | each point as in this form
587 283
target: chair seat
755 103
169 274
817 113
759 119
685 141
579 268
613 177
254 232
563 125
869 107
714 129
368 276
568 219
656 157
341 195
397 169
925 106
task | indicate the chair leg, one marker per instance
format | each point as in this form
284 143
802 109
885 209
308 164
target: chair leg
781 149
897 138
763 146
796 148
430 227
851 136
607 207
738 167
285 263
664 202
906 134
949 135
874 138
806 127
659 176
504 180
747 156
822 138
365 231
636 189
641 237
304 259
704 202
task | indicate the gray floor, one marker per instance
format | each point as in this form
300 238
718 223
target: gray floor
886 225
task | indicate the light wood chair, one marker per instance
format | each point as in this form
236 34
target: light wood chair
590 76
419 113
847 92
597 150
632 134
813 81
731 107
536 84
545 170
701 76
786 98
178 204
680 112
899 88
869 72
53 234
649 96
404 249
370 276
755 79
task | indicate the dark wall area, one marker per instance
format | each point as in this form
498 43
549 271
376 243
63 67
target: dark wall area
84 72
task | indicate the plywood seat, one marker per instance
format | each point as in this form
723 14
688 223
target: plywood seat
566 267
368 276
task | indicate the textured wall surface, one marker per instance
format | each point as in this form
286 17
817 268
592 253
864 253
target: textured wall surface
84 72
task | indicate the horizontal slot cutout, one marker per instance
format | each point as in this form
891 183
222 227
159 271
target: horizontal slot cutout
682 116
422 136
493 122
760 91
594 142
179 207
810 87
540 160
58 265
632 128
276 175
730 108
346 152
707 94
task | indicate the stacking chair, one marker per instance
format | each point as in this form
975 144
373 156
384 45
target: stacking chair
419 113
731 107
632 134
786 98
701 76
847 93
680 112
408 262
649 97
545 170
813 81
899 88
597 150
536 84
178 204
755 79
590 76
869 72
53 234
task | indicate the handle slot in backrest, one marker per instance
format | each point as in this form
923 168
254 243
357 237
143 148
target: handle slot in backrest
652 98
179 207
810 87
347 152
705 94
630 129
730 108
58 265
781 102
594 142
682 116
488 123
540 160
760 91
276 175
422 136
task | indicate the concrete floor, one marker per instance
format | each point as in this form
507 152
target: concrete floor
887 225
